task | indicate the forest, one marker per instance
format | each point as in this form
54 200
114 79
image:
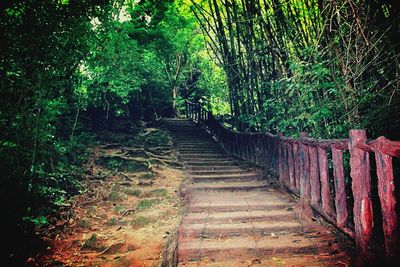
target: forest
72 69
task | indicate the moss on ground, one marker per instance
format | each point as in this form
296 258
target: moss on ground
145 204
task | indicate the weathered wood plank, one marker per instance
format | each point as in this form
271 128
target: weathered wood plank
324 177
305 193
315 184
292 180
387 198
296 158
340 187
361 186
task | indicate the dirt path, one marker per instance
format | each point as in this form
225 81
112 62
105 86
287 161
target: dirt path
237 218
128 211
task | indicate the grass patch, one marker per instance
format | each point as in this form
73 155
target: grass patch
120 208
147 176
118 163
84 223
114 196
161 192
141 221
132 191
145 204
114 221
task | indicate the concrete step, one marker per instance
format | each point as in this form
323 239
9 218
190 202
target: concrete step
209 167
226 177
214 249
207 230
229 186
205 159
239 216
218 163
198 150
202 154
200 207
206 171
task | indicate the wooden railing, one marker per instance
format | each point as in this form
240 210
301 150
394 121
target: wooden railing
315 170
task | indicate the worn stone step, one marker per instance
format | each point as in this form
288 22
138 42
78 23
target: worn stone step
201 207
201 150
194 141
205 159
238 216
202 154
197 148
227 177
214 201
215 249
207 230
229 186
219 163
213 167
206 171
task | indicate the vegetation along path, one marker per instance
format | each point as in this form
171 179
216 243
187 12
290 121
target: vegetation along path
236 218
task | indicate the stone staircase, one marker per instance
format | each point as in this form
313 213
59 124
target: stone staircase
237 218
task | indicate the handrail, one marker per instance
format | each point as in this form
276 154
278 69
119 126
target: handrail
303 168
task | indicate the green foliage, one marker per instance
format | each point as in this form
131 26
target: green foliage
291 66
145 204
114 196
147 176
141 221
160 192
133 191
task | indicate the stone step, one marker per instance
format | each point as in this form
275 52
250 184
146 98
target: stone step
238 216
202 154
196 147
202 149
207 230
209 167
221 207
213 201
218 163
214 249
207 171
229 186
226 177
194 141
205 159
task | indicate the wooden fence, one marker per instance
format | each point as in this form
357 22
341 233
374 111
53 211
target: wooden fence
315 170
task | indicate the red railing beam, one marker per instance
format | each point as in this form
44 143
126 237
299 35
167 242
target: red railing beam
324 177
305 191
315 183
340 187
387 198
361 186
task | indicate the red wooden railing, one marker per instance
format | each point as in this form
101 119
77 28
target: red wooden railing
303 168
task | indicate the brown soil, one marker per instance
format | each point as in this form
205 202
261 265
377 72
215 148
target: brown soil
123 219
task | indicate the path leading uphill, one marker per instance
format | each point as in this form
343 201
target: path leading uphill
236 218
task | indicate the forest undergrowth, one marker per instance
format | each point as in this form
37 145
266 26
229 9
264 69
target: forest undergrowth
127 208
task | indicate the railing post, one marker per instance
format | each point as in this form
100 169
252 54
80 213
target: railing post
305 194
361 187
191 111
187 110
324 178
292 180
340 187
296 165
315 183
387 197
